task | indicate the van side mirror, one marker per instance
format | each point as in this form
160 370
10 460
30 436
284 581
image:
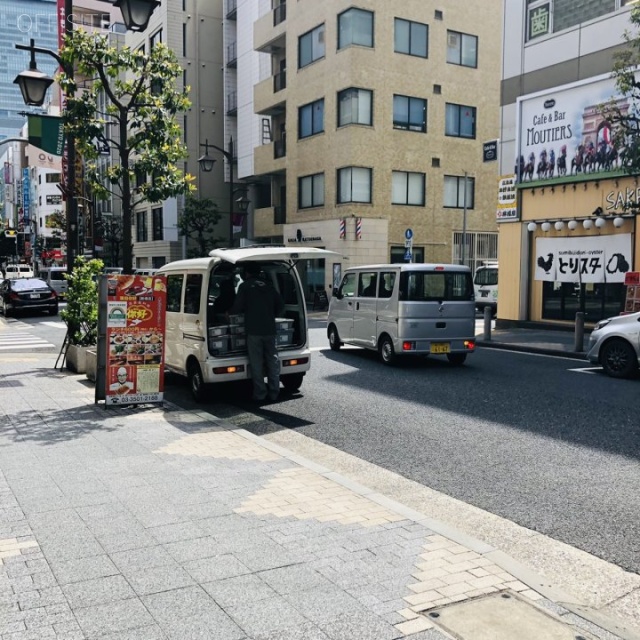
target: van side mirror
337 294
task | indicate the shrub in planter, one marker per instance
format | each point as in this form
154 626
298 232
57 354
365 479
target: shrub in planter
81 313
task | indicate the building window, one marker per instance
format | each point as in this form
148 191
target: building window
155 38
141 226
409 113
539 15
399 254
355 26
408 188
311 191
454 192
481 247
311 46
355 107
51 178
460 121
411 38
562 300
462 49
354 185
184 40
311 119
158 227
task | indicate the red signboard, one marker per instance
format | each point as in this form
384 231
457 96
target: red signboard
632 278
135 339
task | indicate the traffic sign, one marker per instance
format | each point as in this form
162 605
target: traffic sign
408 234
407 255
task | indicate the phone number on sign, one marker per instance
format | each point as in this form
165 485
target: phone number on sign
134 398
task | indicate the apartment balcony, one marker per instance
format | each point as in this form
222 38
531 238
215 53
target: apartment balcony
232 55
269 31
232 103
268 221
231 8
266 101
266 158
279 81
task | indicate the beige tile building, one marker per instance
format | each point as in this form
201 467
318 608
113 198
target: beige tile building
372 114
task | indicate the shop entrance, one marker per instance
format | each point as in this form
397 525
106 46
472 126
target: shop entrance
562 300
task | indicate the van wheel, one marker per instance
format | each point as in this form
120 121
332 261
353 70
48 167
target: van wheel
334 339
196 382
456 359
387 352
292 382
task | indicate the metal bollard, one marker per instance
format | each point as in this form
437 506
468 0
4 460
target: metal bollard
579 332
488 315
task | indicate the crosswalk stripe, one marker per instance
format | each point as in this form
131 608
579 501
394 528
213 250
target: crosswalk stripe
23 341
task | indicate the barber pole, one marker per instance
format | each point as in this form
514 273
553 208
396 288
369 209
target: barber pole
343 229
358 228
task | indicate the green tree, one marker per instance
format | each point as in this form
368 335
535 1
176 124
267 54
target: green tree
198 222
139 121
624 115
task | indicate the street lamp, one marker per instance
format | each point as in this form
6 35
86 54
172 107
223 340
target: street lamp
33 85
136 13
207 162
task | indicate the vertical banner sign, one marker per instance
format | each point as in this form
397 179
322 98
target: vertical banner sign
358 228
26 196
135 339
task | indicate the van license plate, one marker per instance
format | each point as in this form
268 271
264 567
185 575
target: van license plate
440 347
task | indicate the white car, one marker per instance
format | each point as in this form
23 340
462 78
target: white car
14 271
615 345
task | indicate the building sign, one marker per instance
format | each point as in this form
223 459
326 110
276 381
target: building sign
538 19
507 199
584 258
135 339
562 133
490 151
54 199
300 237
26 196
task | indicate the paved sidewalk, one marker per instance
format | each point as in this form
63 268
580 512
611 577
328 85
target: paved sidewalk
145 523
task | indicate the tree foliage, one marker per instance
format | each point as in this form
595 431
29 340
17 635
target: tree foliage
198 221
130 103
624 115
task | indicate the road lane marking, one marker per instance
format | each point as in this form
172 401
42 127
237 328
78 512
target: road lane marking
591 370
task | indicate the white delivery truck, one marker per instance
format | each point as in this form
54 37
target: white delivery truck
204 344
405 309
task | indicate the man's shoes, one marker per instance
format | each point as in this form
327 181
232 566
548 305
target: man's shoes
259 400
273 398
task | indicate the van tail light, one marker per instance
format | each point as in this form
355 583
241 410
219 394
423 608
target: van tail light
408 346
14 296
470 344
294 362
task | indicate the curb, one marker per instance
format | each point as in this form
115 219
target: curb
546 351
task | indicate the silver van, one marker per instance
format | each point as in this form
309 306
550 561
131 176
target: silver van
54 277
204 343
405 309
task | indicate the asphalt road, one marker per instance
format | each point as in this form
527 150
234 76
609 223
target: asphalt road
524 437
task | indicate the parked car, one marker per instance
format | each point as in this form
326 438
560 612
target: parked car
485 283
27 294
615 344
55 278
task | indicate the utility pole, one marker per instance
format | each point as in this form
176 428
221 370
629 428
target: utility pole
463 253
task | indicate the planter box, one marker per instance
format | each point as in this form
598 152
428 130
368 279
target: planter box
77 358
91 363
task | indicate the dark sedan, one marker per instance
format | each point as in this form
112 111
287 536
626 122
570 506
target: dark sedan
28 294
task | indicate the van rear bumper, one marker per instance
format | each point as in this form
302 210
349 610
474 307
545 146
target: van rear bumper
430 347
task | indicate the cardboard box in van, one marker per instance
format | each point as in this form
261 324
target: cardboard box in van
405 310
204 343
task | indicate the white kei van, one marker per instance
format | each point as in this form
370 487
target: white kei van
405 309
205 345
54 277
485 282
14 271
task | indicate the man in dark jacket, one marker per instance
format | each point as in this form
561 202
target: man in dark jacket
261 304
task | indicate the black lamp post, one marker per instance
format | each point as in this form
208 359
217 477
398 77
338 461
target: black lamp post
136 13
206 163
33 83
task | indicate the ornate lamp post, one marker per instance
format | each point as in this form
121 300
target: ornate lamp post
206 163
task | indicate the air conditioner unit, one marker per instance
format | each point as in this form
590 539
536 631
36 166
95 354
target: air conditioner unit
452 39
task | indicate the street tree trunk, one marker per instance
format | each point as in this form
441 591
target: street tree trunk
127 243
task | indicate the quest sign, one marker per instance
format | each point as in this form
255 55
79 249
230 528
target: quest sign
563 133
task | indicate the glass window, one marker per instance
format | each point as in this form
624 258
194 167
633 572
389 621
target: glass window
155 38
367 282
50 178
311 119
460 121
193 293
409 113
355 26
454 192
311 46
398 254
411 38
141 226
174 291
408 188
158 226
387 282
462 49
354 184
539 16
355 107
348 286
562 300
429 286
486 277
311 191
